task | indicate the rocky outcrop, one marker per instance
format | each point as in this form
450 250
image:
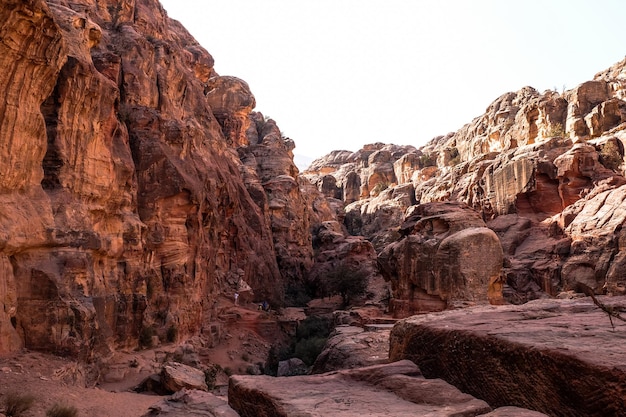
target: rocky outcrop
176 376
560 357
369 171
528 167
128 181
192 402
395 389
447 256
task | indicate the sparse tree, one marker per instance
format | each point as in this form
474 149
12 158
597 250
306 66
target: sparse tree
347 281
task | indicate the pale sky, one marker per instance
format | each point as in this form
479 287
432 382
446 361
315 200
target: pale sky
338 74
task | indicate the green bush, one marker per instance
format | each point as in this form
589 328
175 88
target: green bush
309 349
16 404
557 130
210 375
296 295
347 281
313 326
379 188
427 160
59 410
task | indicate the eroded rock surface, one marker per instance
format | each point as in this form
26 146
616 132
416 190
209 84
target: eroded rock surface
560 357
447 255
192 402
395 389
137 183
351 347
543 162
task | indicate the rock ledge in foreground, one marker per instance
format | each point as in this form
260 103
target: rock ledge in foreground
560 357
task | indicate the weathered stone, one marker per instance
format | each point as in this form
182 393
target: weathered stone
351 347
514 412
292 366
395 389
192 402
560 357
447 256
176 376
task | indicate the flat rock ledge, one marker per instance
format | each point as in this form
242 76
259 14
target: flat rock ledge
559 357
396 389
192 403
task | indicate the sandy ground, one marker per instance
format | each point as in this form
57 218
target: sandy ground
54 380
246 336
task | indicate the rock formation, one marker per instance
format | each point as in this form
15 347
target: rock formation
544 171
351 347
137 184
435 265
560 357
192 402
395 389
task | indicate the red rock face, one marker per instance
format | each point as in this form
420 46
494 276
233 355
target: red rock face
128 197
448 256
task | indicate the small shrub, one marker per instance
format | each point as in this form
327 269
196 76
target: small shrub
145 337
610 155
245 357
59 410
309 349
427 160
379 188
556 130
455 157
296 295
172 333
16 404
210 375
314 326
228 371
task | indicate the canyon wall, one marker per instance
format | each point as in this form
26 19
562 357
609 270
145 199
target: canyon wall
137 184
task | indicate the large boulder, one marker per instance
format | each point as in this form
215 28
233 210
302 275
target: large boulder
447 257
351 347
192 402
176 376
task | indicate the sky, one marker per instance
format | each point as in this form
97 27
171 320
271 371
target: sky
339 74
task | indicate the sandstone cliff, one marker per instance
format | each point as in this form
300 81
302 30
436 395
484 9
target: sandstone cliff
544 171
137 184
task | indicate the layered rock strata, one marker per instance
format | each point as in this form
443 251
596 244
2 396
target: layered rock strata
560 357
